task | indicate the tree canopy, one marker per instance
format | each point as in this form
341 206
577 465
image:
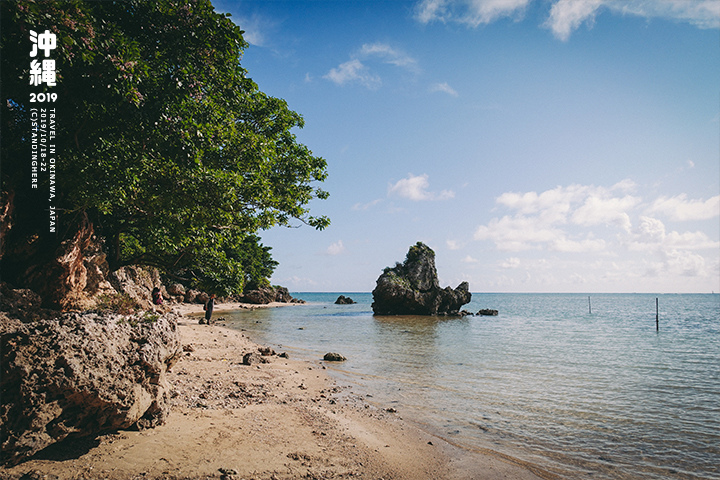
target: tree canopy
163 141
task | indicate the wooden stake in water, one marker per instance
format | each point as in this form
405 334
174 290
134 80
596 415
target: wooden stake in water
589 306
657 315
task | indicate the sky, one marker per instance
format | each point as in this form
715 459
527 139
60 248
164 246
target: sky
534 145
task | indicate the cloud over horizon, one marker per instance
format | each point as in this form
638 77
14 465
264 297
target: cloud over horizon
608 222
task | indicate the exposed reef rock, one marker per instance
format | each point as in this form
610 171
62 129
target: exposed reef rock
412 288
137 282
82 374
343 300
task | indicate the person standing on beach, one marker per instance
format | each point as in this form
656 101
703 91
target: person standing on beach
209 305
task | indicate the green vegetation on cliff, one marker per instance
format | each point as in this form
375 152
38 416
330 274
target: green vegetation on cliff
164 144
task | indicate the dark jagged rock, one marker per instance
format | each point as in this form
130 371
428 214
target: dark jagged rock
487 312
412 288
83 374
343 300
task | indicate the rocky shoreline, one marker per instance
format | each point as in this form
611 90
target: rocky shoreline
284 419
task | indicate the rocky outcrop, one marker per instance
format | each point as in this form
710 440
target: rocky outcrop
82 374
343 300
265 295
137 282
412 288
76 273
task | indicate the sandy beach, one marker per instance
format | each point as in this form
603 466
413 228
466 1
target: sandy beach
284 419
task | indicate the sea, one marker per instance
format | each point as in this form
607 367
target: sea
598 386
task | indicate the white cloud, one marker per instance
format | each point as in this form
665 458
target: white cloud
679 208
518 233
566 16
598 210
415 188
336 248
390 55
651 235
357 70
701 13
558 220
587 245
469 12
469 259
365 206
512 262
444 88
353 71
452 245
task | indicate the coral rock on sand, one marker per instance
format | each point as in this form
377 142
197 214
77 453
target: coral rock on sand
83 374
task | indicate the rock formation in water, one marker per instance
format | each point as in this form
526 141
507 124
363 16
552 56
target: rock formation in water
82 374
343 300
412 288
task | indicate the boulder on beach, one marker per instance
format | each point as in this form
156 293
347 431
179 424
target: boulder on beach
412 288
334 357
78 375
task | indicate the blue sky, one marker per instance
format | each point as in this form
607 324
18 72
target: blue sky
535 145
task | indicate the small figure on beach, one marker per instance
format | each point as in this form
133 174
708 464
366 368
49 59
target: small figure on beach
209 305
156 297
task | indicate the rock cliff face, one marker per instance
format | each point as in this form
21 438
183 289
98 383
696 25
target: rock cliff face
412 288
74 275
82 374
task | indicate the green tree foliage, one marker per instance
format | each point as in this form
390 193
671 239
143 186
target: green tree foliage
164 142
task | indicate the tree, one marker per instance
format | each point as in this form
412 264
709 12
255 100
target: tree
165 144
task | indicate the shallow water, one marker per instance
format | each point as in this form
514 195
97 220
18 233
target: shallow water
599 395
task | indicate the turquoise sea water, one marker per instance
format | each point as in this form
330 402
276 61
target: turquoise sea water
599 395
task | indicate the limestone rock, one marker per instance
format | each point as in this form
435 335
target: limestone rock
176 289
83 374
137 282
412 288
74 274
